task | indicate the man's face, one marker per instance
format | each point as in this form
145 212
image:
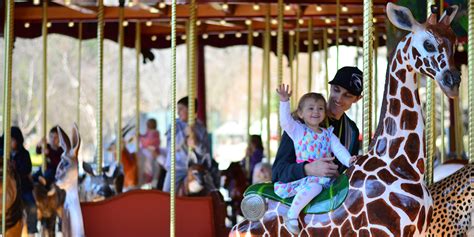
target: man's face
340 100
183 112
54 138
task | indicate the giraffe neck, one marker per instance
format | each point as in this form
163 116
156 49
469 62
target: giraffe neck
399 138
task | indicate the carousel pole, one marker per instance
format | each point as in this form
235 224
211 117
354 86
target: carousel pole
430 117
8 33
297 56
443 147
338 13
267 74
470 80
192 65
264 72
291 49
368 40
310 54
249 91
375 91
326 64
79 64
137 82
100 82
44 99
118 144
173 120
280 55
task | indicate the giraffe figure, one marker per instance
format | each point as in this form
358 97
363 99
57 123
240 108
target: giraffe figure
387 195
67 179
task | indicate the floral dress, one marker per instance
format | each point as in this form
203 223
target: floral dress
309 146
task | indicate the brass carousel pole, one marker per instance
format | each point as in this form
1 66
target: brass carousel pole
44 99
173 120
280 55
443 147
100 83
267 74
297 56
118 144
291 49
249 91
430 126
326 65
79 64
470 80
310 54
8 33
376 87
192 65
367 74
338 10
138 46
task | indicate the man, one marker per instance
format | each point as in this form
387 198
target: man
346 89
197 139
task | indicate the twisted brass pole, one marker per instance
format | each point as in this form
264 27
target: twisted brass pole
297 57
280 55
137 82
173 119
338 9
8 32
326 64
249 91
267 74
291 49
442 148
118 144
44 99
100 82
471 80
79 64
429 130
368 16
310 54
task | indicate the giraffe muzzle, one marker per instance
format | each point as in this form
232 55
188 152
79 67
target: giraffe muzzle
450 81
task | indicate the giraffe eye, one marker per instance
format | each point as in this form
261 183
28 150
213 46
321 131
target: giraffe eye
429 46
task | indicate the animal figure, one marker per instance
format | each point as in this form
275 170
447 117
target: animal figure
49 203
453 205
442 171
67 179
95 187
387 195
198 182
235 181
14 215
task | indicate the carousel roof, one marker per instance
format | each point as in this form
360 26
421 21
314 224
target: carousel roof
220 23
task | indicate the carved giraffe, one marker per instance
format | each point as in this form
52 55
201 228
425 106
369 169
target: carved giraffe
387 195
67 179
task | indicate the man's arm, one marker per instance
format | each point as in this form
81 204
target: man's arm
285 168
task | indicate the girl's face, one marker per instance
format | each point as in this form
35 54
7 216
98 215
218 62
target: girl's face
54 139
182 112
313 112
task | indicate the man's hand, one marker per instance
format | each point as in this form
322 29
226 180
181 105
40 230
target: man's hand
324 167
284 92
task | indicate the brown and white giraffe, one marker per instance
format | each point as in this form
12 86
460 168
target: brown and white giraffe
387 195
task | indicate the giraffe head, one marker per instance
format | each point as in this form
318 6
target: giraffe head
67 171
429 47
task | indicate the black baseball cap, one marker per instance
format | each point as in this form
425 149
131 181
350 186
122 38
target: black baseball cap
350 78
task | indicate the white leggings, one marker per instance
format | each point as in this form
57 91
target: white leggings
302 198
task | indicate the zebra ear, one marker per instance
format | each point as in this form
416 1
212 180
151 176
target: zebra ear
401 17
449 15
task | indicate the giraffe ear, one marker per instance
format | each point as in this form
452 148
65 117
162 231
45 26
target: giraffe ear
76 140
449 15
63 139
401 17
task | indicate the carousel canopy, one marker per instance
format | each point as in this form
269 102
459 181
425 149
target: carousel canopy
219 23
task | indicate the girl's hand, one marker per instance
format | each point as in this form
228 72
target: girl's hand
284 92
352 160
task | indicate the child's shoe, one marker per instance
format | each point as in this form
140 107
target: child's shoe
292 225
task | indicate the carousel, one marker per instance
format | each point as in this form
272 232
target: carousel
411 177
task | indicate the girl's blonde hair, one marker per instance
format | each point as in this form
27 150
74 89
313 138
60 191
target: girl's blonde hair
311 95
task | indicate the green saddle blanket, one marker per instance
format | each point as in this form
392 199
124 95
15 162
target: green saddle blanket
328 200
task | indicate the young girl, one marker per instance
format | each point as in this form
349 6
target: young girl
311 142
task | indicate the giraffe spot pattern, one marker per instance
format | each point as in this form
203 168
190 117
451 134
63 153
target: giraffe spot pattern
401 75
418 63
442 64
417 96
421 218
335 233
409 120
414 189
339 215
373 187
409 68
407 97
393 86
409 231
321 231
431 71
403 169
407 44
364 233
434 63
386 176
359 221
381 147
420 164
412 147
390 126
355 201
399 57
395 146
357 179
394 107
426 62
347 229
409 205
374 164
379 212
